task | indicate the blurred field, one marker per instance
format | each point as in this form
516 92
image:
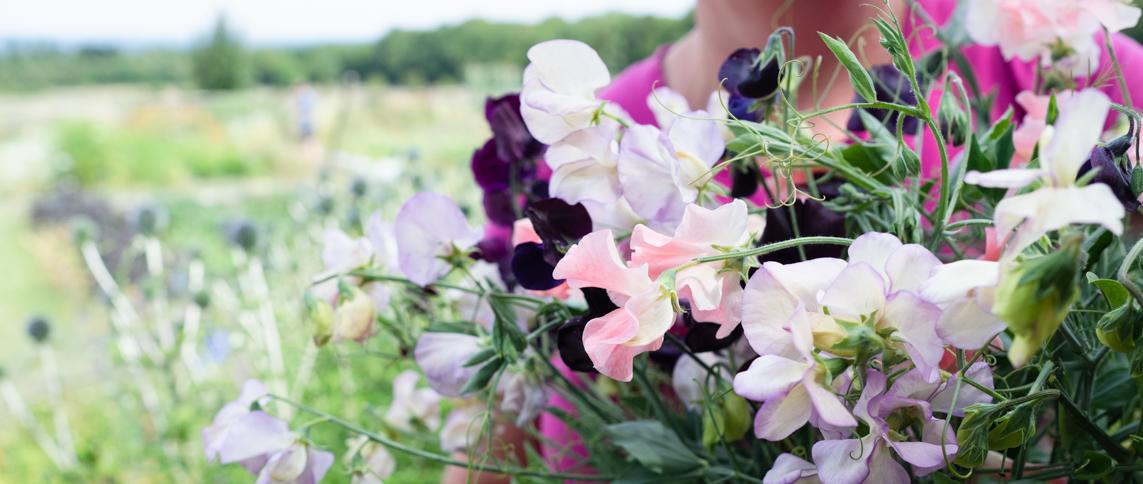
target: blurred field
209 159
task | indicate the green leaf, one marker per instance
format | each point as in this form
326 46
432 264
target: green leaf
462 327
1013 429
654 446
483 376
1137 181
1096 465
972 436
480 357
858 76
1114 292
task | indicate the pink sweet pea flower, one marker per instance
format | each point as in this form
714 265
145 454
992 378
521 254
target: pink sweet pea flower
645 313
1022 219
1027 135
428 229
793 390
712 289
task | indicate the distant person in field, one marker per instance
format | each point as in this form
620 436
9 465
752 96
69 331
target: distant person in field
690 66
305 109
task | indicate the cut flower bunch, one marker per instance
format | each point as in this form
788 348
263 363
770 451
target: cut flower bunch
727 297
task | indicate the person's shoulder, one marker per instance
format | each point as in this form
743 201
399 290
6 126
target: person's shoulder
630 88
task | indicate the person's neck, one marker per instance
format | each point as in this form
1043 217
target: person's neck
691 64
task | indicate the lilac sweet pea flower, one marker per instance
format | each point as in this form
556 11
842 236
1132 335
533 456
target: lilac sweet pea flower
558 95
791 469
299 463
870 458
429 228
1022 219
794 390
441 356
661 172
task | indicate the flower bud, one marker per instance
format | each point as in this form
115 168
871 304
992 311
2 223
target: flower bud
728 420
355 318
39 329
860 342
1120 328
953 117
1035 295
320 314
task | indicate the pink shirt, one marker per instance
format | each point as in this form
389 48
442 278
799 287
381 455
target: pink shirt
994 74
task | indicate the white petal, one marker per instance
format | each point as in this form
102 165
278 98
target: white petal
1047 209
780 417
910 266
1076 133
666 104
768 377
1009 178
953 281
648 178
569 66
858 291
585 180
873 248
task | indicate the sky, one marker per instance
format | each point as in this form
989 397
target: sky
270 22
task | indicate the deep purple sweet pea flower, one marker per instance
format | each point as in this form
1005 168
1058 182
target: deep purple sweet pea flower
530 268
559 225
570 337
1112 173
747 80
512 139
890 86
491 171
701 336
498 207
813 219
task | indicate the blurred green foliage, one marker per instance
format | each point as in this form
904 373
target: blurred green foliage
441 55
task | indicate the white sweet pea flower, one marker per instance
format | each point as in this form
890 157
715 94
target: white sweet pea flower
412 404
584 170
558 95
668 104
1022 219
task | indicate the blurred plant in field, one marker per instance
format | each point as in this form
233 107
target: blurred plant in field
221 63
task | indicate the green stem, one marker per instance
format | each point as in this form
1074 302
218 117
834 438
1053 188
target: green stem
774 247
1125 268
1110 445
381 439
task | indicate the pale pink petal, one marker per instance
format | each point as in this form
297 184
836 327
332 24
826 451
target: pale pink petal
1009 178
595 262
843 461
616 327
724 226
661 252
780 417
702 284
654 314
769 377
1113 14
728 313
873 248
858 291
522 231
789 469
910 266
618 361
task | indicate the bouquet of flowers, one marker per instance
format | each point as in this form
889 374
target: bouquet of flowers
728 297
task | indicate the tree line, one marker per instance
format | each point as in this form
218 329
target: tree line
442 55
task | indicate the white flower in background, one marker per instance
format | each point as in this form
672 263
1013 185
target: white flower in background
668 104
660 172
378 463
692 383
1020 220
463 425
411 404
1063 32
558 95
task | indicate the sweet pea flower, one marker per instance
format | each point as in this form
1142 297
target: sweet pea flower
791 469
667 104
793 390
300 463
713 289
441 356
429 229
463 425
377 463
1026 136
355 318
216 437
645 314
870 458
522 395
411 404
876 289
1061 31
1022 219
585 170
661 172
558 95
965 291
